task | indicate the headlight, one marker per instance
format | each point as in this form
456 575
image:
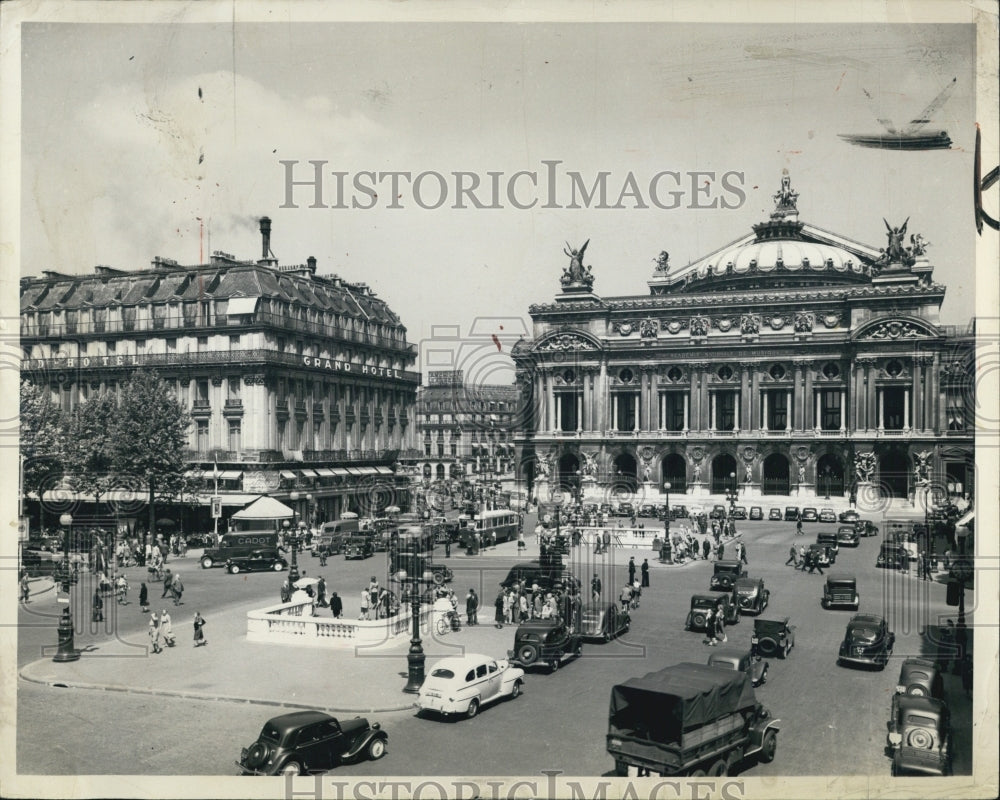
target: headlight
614 742
895 739
900 689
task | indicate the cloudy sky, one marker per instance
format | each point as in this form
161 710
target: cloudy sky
131 133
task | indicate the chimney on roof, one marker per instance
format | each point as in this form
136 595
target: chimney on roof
265 234
311 265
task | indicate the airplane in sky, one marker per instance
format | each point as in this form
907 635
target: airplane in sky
912 137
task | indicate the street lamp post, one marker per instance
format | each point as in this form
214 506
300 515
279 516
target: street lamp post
415 658
66 651
666 514
292 540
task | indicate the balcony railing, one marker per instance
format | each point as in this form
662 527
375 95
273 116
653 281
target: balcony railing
228 358
387 456
196 323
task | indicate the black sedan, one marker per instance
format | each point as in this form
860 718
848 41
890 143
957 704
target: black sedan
308 742
849 516
257 561
867 641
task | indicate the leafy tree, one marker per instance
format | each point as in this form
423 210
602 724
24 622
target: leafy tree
89 446
42 436
150 435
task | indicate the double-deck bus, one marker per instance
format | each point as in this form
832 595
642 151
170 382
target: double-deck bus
493 528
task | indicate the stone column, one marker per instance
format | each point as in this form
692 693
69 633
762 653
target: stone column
601 421
579 410
881 409
661 403
711 411
704 409
753 400
818 414
687 419
871 393
557 399
614 411
736 416
906 409
798 398
807 401
636 408
643 403
789 409
918 393
843 410
856 419
744 404
763 424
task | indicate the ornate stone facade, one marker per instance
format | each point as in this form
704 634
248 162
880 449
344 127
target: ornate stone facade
792 362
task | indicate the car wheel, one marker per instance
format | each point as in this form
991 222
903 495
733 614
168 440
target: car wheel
515 690
769 747
578 649
278 566
527 654
916 690
698 621
206 563
234 569
376 749
473 708
438 578
921 738
767 646
718 769
697 773
292 768
256 755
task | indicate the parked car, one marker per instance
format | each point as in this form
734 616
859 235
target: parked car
647 510
194 540
822 555
546 576
309 742
892 556
829 540
603 621
756 512
840 590
774 514
751 595
867 641
773 637
717 512
359 547
701 604
809 514
850 515
848 535
739 512
544 641
919 737
256 561
625 510
726 573
919 677
791 513
678 512
827 515
739 660
865 527
463 684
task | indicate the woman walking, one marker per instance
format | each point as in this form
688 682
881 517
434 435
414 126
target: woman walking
144 598
199 634
154 633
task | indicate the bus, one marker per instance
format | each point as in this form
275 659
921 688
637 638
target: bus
412 550
493 528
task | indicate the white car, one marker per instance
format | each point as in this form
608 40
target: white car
463 684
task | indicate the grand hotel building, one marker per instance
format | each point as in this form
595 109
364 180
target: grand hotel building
793 361
298 383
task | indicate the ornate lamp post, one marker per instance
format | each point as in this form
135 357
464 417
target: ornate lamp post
66 651
292 538
666 515
415 657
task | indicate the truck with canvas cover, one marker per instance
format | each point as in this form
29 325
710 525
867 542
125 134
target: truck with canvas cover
688 720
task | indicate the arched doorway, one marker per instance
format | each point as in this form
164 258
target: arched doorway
625 472
894 473
427 471
569 472
723 469
830 476
775 476
439 472
673 469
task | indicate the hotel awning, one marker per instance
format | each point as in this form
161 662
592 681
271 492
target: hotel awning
354 471
340 471
324 472
288 475
231 475
384 471
308 473
367 470
242 305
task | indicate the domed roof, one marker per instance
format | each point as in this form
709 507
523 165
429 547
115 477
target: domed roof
771 254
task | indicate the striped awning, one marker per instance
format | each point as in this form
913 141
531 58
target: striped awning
384 471
231 475
308 473
367 470
288 475
340 471
354 471
242 305
324 472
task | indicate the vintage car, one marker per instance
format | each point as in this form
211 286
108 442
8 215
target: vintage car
821 554
256 561
359 547
603 621
867 641
773 637
544 641
740 660
678 512
840 590
624 510
464 684
848 535
725 574
311 742
809 514
866 528
919 677
717 512
647 510
756 512
739 512
850 516
829 540
892 556
827 515
919 737
535 572
701 604
751 595
791 513
774 514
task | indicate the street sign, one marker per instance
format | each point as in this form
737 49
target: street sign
216 506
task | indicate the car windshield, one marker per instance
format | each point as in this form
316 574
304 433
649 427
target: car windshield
746 590
440 672
924 722
864 632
